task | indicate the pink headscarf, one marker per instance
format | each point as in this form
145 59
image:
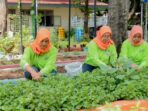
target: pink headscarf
136 30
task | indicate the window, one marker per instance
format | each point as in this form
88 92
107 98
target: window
25 12
47 18
11 11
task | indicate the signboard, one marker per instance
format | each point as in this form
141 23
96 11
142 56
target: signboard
146 1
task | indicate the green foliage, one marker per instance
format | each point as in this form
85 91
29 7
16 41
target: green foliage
62 93
54 37
6 45
72 33
12 44
26 38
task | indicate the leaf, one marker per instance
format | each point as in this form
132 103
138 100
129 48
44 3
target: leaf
121 77
136 77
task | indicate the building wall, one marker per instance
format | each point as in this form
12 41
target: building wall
59 12
63 12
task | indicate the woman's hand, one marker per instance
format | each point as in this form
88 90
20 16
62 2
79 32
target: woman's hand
134 66
36 76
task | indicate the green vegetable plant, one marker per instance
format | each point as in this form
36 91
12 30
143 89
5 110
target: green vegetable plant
85 91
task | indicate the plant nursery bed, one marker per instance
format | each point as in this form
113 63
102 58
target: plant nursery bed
11 69
11 74
61 57
120 90
6 62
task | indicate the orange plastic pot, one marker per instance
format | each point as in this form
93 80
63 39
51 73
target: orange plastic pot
126 105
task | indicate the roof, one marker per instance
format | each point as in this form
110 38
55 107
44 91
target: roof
55 2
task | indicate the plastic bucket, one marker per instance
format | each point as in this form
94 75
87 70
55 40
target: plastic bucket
79 34
73 68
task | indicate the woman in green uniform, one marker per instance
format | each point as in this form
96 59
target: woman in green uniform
40 57
101 51
135 48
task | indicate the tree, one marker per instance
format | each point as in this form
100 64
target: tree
3 16
118 18
133 7
86 14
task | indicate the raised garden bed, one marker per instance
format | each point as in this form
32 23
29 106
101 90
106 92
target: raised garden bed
62 59
6 62
18 73
11 74
86 91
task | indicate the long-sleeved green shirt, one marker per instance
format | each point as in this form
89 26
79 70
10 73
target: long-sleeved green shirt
45 62
137 54
97 56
